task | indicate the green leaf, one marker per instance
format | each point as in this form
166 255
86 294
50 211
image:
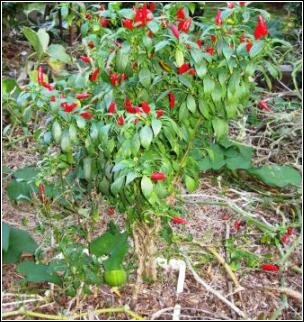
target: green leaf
146 136
26 174
122 59
156 126
216 94
58 52
160 45
33 38
204 109
146 186
220 128
37 273
19 190
126 13
256 48
197 55
278 176
186 80
153 26
191 184
227 52
208 85
44 39
145 77
19 241
117 185
131 176
201 69
8 85
191 104
5 236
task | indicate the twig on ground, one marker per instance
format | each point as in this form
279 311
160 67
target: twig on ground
212 291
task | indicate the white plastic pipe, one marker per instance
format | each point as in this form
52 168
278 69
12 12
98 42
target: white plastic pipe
176 265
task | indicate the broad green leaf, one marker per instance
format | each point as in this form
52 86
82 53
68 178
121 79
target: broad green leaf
19 191
191 184
33 38
122 59
126 13
26 174
161 45
256 48
8 85
44 39
208 85
20 241
146 136
131 176
58 52
5 236
216 94
37 273
191 104
278 176
204 109
156 126
117 185
186 80
153 26
146 186
220 128
227 52
197 55
201 69
145 77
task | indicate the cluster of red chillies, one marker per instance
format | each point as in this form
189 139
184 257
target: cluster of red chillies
41 80
142 16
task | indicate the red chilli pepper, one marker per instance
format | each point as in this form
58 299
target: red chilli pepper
248 45
284 239
121 120
200 43
94 75
159 113
83 96
114 78
85 59
230 5
180 14
171 100
127 23
145 107
261 28
237 225
104 22
184 25
152 6
87 115
112 108
158 176
47 86
210 51
263 106
175 31
192 72
179 220
213 38
53 98
40 75
243 3
41 195
290 231
218 18
183 69
111 211
270 267
69 107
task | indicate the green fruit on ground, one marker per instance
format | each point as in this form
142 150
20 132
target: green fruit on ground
117 277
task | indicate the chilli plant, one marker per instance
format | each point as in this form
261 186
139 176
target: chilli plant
150 82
